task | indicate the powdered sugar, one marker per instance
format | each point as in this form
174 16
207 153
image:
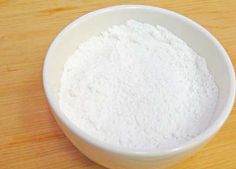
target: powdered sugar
138 86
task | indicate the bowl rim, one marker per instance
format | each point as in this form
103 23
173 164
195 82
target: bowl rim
197 141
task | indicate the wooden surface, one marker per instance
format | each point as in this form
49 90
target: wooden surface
29 136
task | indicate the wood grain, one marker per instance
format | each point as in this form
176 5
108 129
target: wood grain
29 136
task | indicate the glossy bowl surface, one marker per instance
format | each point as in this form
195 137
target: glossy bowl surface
93 23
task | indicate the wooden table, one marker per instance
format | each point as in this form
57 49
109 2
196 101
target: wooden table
29 135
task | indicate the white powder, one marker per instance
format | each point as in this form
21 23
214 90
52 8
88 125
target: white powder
138 86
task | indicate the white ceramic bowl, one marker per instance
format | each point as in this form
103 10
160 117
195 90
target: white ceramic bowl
91 24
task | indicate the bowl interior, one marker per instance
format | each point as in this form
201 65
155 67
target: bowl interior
92 24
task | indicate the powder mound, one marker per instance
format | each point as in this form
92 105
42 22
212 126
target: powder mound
139 87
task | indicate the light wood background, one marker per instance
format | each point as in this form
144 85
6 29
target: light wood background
29 135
